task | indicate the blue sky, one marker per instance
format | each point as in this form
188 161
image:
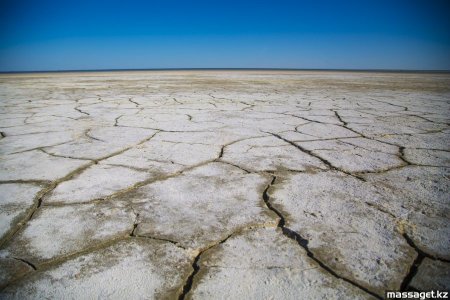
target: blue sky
364 34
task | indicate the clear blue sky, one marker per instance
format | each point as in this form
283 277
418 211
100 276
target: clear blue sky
110 34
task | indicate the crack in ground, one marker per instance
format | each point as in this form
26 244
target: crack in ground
26 262
345 125
134 102
405 108
293 235
177 244
42 149
80 111
326 162
175 99
400 155
116 120
87 133
414 268
380 209
415 265
196 267
24 181
234 165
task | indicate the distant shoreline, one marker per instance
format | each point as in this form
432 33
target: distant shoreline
232 69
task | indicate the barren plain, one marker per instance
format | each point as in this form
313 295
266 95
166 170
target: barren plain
223 184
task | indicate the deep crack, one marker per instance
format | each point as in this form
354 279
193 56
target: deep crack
304 243
196 267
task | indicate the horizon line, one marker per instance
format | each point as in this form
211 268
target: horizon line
232 69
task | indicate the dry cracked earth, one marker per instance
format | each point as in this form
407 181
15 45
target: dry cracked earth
223 185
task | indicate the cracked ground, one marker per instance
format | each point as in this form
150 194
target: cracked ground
223 185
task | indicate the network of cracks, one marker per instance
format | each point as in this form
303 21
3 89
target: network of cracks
231 185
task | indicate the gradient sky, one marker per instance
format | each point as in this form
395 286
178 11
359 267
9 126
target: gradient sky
364 34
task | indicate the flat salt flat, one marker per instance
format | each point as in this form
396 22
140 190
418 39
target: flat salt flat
223 184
